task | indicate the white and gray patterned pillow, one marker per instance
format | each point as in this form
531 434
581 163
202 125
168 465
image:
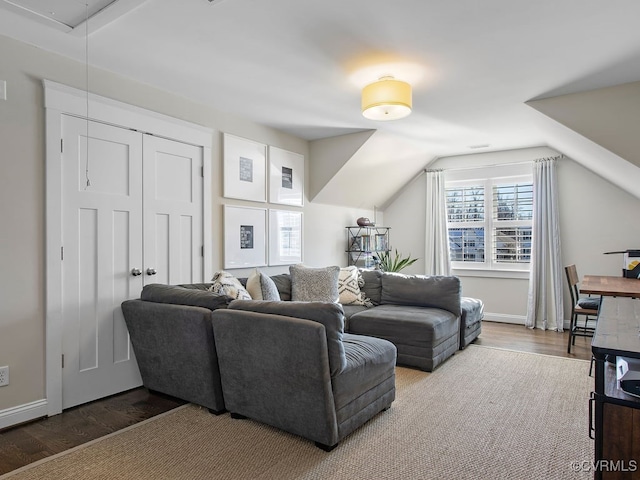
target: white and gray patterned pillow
261 287
349 283
314 284
226 284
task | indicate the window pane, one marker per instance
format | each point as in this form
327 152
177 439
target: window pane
466 244
465 204
512 245
513 202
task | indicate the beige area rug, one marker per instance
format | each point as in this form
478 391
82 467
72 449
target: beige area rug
485 414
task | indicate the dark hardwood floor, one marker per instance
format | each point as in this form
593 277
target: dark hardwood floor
27 443
518 337
24 444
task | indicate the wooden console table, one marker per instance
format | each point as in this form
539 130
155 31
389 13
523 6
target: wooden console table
617 415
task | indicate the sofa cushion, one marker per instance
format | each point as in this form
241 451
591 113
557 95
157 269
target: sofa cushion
349 283
283 284
424 291
472 311
197 286
370 361
350 310
178 295
372 287
314 284
225 283
261 287
408 325
330 315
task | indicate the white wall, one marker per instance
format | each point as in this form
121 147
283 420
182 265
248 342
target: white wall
22 198
406 218
595 217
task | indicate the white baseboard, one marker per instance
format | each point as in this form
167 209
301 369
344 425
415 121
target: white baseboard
504 318
520 319
23 413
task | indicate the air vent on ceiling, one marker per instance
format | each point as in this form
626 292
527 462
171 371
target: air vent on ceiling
70 16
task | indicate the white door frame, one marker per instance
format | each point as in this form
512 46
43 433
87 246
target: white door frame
58 100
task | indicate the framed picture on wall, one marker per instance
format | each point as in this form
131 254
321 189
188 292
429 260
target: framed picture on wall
244 169
285 237
245 238
286 177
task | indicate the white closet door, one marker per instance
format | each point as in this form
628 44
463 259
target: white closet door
173 236
102 243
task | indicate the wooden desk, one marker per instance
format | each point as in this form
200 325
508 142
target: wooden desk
610 286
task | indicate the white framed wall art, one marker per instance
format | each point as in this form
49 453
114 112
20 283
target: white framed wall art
285 237
244 169
245 237
286 177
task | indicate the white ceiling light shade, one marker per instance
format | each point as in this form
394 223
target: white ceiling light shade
386 99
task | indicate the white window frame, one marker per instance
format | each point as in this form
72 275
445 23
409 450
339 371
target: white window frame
490 268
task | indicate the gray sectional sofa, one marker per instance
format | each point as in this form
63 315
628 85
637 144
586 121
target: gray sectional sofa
188 346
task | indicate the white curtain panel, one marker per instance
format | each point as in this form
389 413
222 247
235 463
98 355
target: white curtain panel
545 308
436 255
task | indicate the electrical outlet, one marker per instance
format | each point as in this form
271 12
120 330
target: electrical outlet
4 376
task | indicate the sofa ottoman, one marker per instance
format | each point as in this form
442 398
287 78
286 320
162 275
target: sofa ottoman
470 320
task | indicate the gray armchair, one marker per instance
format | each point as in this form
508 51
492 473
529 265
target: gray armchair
290 365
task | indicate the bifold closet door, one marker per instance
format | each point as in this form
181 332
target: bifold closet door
138 220
173 236
101 247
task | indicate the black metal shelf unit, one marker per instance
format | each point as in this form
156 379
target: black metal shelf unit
363 243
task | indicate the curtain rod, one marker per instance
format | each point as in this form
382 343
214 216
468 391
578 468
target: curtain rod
476 167
425 170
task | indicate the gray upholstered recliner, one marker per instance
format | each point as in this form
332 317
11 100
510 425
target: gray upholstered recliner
290 365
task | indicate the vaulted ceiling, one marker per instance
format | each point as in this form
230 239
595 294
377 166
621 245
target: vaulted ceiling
486 74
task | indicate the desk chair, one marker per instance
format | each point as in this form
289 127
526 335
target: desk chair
585 306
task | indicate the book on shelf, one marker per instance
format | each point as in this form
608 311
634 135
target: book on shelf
381 242
366 243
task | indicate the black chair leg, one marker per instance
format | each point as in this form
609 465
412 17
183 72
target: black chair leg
570 332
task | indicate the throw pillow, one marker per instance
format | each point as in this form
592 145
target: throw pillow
349 283
314 284
261 287
226 284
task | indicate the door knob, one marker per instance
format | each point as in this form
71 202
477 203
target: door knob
151 271
135 272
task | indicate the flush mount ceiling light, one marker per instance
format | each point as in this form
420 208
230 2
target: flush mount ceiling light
386 99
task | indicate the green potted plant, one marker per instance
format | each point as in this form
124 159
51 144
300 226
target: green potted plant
395 263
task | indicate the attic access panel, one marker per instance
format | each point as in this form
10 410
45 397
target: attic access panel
69 15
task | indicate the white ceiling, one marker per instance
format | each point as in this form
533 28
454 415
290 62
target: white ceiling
299 66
